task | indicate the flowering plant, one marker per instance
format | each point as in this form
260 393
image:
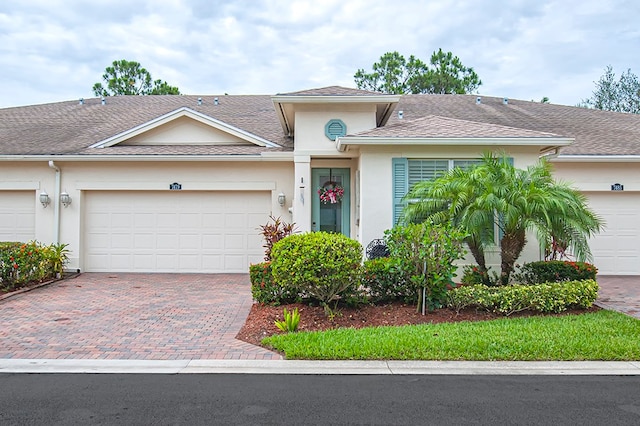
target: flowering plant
331 192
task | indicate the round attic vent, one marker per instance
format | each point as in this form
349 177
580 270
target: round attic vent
335 128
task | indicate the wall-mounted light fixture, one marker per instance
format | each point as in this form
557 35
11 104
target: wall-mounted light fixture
44 199
281 199
65 198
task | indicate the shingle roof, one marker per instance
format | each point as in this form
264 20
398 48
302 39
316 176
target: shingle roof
432 126
595 132
70 128
332 91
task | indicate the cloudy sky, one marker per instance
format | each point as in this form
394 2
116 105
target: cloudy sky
55 50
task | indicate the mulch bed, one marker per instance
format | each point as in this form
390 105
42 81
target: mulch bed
260 322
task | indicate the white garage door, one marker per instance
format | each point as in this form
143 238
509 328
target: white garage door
616 250
17 216
131 231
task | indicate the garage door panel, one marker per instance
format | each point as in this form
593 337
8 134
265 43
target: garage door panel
121 262
17 216
121 241
173 231
234 242
165 220
616 250
143 241
190 242
212 241
213 220
234 262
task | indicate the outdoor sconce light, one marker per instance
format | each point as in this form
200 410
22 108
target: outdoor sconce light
65 199
44 199
281 199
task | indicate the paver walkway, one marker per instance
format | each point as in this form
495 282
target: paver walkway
620 293
131 316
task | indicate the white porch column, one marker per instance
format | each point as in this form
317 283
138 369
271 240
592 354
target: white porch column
302 191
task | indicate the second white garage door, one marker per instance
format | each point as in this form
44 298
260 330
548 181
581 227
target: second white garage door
131 231
616 250
17 216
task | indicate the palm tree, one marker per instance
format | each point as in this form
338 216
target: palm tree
496 194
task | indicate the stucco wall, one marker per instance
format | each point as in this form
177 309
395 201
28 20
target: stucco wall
597 176
148 176
311 119
376 198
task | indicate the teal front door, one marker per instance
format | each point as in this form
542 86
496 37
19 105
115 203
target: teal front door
330 206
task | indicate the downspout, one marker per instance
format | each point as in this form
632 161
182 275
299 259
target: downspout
56 204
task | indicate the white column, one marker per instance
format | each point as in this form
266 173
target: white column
302 193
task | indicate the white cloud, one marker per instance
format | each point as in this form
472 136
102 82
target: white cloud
56 50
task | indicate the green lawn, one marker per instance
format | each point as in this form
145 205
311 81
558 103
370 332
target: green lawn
602 335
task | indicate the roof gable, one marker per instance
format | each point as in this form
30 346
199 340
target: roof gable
184 126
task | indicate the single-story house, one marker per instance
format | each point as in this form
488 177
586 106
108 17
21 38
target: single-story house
182 183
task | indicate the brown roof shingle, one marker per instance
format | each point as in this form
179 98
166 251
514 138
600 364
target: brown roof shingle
68 128
332 91
432 126
595 132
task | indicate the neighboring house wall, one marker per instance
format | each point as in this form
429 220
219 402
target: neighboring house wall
616 249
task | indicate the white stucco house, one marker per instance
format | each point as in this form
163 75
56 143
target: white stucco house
181 183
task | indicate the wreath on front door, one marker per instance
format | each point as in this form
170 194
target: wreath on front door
331 193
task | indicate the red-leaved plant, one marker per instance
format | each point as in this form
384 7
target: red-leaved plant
274 231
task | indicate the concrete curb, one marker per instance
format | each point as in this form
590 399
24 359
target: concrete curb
608 368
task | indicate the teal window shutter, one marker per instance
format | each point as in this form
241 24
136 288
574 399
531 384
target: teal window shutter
400 187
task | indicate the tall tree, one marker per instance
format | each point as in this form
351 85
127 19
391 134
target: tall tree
443 74
622 95
496 194
130 78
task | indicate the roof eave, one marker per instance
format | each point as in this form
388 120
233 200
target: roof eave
385 105
546 142
597 158
265 156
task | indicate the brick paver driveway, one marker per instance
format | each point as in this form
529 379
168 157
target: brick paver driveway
131 316
620 293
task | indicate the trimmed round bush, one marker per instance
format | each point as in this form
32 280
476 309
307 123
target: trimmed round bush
265 290
320 265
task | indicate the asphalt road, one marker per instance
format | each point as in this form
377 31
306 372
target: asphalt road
137 399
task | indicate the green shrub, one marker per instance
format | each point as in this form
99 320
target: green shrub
549 297
424 253
265 290
555 271
471 275
384 282
320 265
23 263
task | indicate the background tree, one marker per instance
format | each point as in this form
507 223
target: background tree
496 194
443 74
622 95
130 78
